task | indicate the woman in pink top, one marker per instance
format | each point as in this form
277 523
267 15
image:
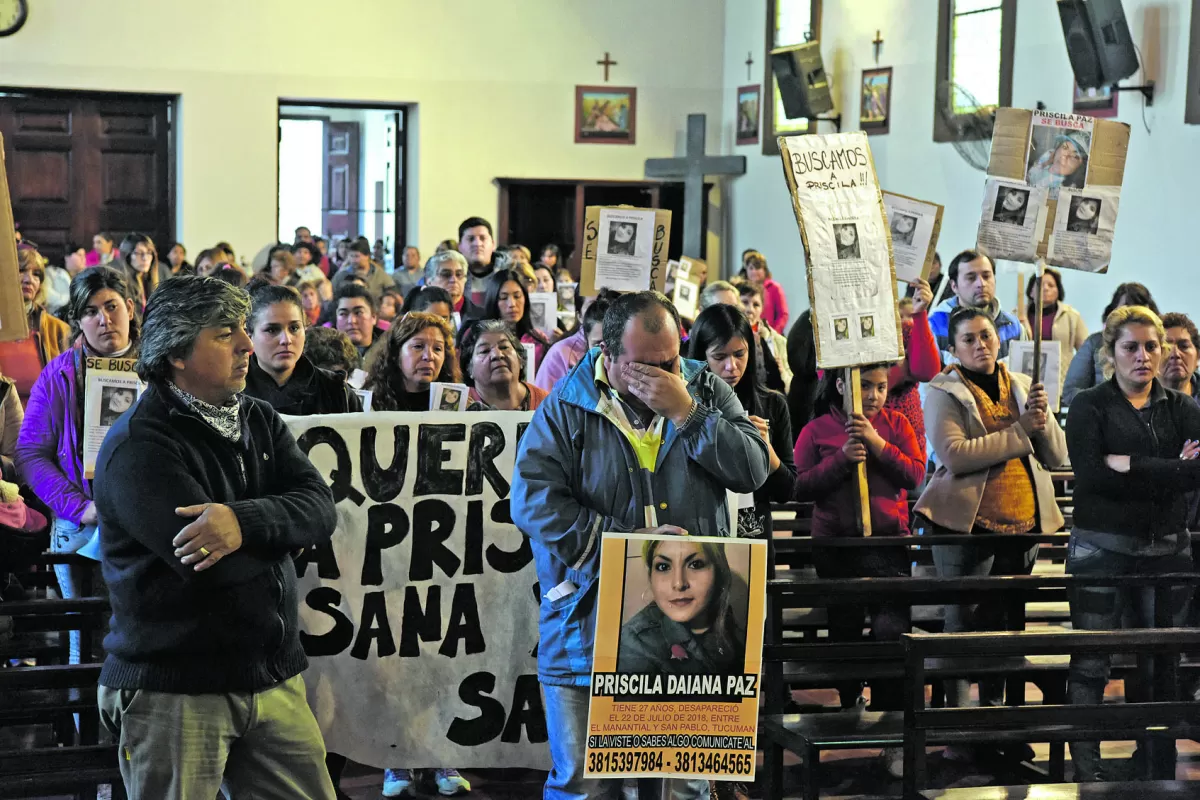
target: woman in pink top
775 309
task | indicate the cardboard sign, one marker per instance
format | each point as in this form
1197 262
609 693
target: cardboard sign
847 246
1053 190
624 248
14 324
675 672
914 226
418 616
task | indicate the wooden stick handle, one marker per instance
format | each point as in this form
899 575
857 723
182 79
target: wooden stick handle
852 400
1036 323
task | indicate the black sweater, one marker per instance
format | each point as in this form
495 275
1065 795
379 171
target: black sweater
232 627
310 390
1150 501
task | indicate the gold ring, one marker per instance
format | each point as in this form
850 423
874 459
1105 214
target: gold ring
204 552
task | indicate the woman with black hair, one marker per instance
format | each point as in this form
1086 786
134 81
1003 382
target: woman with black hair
722 338
1087 367
138 259
507 298
432 299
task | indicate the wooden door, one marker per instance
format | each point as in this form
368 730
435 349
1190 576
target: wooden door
340 214
81 163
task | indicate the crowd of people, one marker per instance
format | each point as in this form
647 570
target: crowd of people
644 421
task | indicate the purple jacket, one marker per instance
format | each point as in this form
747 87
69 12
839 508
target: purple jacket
562 356
50 450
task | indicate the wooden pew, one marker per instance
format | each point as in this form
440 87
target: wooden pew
1164 717
51 771
1143 790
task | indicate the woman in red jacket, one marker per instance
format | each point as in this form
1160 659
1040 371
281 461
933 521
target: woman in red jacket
921 363
827 453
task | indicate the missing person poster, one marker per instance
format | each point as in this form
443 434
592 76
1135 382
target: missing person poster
1079 164
1020 359
420 616
112 387
915 226
678 655
624 248
543 312
448 396
851 280
686 297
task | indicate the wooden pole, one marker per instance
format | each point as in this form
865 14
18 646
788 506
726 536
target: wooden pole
1036 322
852 399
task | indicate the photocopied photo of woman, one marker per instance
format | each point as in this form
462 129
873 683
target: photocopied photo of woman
685 608
1058 158
622 238
115 401
846 236
1011 204
1084 216
903 228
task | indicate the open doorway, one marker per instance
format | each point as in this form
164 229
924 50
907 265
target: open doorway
342 173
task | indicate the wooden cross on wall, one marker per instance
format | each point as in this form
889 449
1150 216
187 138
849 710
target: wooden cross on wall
606 62
749 64
692 167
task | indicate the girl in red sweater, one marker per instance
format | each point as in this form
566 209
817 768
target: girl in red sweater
826 454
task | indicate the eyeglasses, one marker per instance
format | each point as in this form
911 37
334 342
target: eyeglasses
456 275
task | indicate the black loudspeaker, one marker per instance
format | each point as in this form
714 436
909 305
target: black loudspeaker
1098 41
803 86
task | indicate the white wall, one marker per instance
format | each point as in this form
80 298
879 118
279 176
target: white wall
494 83
1162 174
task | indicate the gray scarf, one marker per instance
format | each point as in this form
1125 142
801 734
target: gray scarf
225 420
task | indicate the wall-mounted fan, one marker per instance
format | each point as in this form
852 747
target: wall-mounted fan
970 123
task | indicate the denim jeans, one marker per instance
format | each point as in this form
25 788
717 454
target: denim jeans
888 620
566 721
1103 608
265 744
68 537
980 560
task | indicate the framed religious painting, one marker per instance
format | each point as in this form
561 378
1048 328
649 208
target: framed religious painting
1100 102
748 114
605 115
875 113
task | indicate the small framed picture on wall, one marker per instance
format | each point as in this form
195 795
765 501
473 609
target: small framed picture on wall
748 114
605 115
875 113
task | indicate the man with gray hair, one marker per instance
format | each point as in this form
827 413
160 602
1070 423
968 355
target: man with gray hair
203 495
448 270
721 293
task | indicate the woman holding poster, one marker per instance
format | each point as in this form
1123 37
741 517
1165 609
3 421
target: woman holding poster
50 448
419 350
688 626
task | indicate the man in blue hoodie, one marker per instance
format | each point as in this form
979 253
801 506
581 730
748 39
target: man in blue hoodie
634 438
973 281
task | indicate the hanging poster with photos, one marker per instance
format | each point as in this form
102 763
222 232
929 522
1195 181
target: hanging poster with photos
847 246
1078 163
914 226
678 654
624 249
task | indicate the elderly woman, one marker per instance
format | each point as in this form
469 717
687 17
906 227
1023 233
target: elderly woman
419 350
447 269
493 364
1133 446
688 627
507 299
139 259
53 333
995 441
280 373
50 448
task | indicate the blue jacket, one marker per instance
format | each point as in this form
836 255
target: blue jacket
572 483
1008 327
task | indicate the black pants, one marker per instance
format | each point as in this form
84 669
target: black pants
888 620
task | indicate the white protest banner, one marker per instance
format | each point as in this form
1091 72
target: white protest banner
111 389
420 617
851 282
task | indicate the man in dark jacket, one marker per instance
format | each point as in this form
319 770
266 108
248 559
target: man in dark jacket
202 497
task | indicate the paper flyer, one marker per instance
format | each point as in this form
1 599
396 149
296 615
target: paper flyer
915 226
1082 234
1020 359
1009 224
678 655
851 281
686 298
624 253
543 312
112 387
448 396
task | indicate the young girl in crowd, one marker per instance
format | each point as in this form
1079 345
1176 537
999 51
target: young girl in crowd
280 373
721 337
50 448
770 347
419 350
995 442
493 365
827 454
921 363
508 299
